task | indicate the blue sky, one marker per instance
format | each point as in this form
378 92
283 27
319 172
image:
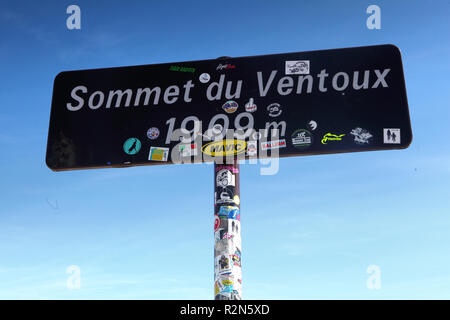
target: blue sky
308 232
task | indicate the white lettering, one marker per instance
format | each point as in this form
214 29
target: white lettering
74 96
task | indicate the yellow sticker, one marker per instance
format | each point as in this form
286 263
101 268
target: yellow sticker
227 282
216 288
332 137
236 199
225 147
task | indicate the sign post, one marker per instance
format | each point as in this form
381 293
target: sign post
227 232
270 106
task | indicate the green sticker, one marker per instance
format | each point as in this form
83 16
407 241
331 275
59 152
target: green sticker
132 146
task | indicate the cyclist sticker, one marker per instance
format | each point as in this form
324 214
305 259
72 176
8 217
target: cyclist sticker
132 146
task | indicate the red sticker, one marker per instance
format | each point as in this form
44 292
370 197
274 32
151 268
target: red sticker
216 222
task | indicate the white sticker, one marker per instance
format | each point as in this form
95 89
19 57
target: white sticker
273 144
250 106
187 150
223 264
391 135
297 67
252 148
204 77
158 154
225 178
274 110
362 136
312 125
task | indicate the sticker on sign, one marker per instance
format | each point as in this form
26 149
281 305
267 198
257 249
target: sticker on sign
297 67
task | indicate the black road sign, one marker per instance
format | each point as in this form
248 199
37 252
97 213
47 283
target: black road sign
329 101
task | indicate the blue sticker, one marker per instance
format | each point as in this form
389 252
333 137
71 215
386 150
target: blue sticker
229 212
227 289
132 146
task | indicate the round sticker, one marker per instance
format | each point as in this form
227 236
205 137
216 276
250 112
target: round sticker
132 146
227 282
230 106
224 178
256 135
312 125
274 109
153 133
236 199
217 129
301 138
204 77
216 222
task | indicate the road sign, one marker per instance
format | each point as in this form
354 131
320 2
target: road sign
330 101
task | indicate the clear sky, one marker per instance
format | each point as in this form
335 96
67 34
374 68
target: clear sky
310 231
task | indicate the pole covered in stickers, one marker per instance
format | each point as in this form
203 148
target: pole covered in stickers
227 232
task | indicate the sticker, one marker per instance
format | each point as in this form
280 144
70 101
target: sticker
233 227
231 168
362 136
223 226
274 110
250 106
237 200
230 106
223 288
229 212
225 147
187 150
227 235
225 178
217 289
225 196
223 296
216 222
222 245
312 125
204 78
235 295
218 236
301 138
256 135
226 66
236 257
252 148
275 144
181 69
213 133
227 285
217 129
297 67
132 146
222 232
227 289
332 137
229 277
153 133
227 282
391 136
228 230
158 154
223 264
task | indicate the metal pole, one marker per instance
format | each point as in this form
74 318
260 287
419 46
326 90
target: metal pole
227 232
